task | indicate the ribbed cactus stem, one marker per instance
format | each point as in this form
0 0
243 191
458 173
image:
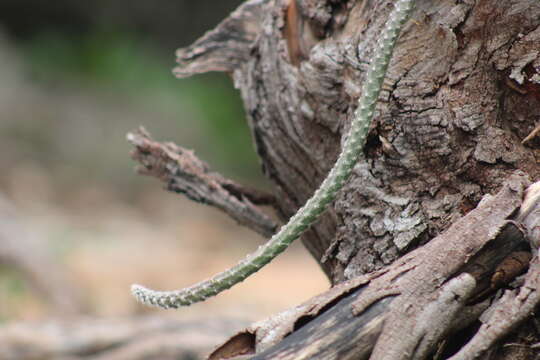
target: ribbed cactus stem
325 194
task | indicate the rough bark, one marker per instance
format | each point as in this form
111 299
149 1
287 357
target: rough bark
461 94
406 309
456 118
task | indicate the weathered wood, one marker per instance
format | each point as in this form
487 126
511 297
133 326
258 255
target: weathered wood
184 173
457 117
442 138
417 300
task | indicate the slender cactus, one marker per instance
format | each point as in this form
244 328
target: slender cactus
326 193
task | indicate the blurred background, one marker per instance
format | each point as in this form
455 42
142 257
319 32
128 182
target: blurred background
75 77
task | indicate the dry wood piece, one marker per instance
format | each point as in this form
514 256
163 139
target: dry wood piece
405 310
506 314
227 46
515 305
184 173
113 339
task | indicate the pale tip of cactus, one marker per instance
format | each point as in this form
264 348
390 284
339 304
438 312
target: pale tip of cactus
138 291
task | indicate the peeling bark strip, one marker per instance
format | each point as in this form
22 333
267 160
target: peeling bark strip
324 195
184 173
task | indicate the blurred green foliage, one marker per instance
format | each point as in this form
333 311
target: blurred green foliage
133 67
13 288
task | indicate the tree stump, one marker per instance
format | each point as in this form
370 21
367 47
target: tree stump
456 120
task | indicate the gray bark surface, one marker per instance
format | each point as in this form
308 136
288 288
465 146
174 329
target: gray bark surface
448 128
456 118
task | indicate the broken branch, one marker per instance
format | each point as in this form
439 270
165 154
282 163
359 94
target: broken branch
184 173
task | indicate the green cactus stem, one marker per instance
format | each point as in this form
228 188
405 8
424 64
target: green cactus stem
326 193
